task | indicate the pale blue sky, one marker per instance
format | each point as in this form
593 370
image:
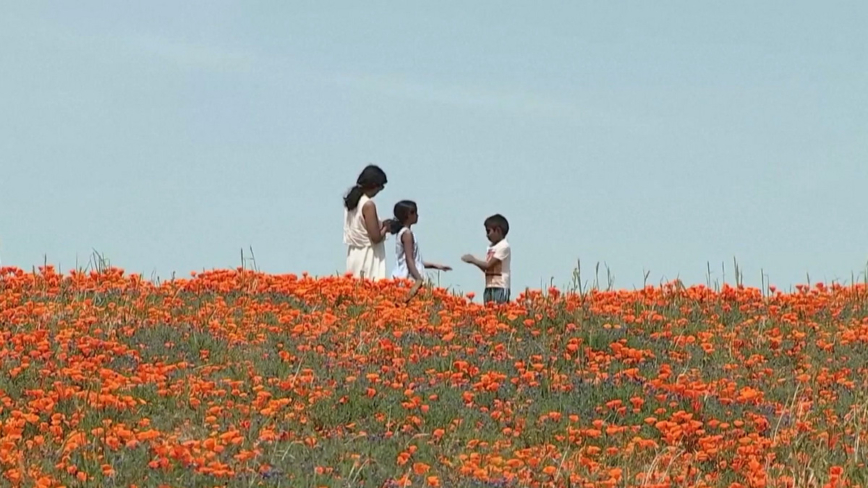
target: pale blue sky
648 135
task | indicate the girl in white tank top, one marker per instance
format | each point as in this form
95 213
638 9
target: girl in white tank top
408 260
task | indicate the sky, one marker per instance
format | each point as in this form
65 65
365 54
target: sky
650 137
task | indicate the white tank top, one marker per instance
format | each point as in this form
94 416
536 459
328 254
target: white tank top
355 233
401 270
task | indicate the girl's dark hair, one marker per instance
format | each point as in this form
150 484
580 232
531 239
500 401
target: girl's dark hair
371 177
403 209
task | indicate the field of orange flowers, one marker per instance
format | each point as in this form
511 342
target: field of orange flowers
237 378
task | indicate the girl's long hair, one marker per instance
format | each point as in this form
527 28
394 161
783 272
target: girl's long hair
371 177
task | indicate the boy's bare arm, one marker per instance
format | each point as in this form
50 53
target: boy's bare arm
483 265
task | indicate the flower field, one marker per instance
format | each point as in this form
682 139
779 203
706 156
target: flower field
236 378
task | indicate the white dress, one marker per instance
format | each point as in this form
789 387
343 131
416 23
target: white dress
401 270
364 258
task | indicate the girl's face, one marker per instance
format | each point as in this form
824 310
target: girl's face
413 217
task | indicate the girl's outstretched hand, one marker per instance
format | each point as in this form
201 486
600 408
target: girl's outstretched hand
467 258
442 267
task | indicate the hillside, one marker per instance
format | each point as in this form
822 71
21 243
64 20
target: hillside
235 378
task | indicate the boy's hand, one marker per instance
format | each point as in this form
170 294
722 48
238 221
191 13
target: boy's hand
467 258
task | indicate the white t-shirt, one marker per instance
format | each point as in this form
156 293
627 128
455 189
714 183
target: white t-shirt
498 276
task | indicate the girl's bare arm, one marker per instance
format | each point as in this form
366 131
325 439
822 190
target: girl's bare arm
407 241
376 230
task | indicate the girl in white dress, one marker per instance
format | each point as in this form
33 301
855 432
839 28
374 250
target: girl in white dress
408 260
363 232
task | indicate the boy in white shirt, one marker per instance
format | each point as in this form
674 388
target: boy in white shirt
497 260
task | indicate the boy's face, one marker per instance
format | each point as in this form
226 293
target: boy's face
494 234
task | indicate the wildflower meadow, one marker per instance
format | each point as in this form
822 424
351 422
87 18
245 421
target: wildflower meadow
240 378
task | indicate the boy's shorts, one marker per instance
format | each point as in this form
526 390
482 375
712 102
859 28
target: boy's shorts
496 295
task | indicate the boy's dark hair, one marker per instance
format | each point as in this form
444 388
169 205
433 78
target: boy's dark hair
498 221
371 177
403 209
